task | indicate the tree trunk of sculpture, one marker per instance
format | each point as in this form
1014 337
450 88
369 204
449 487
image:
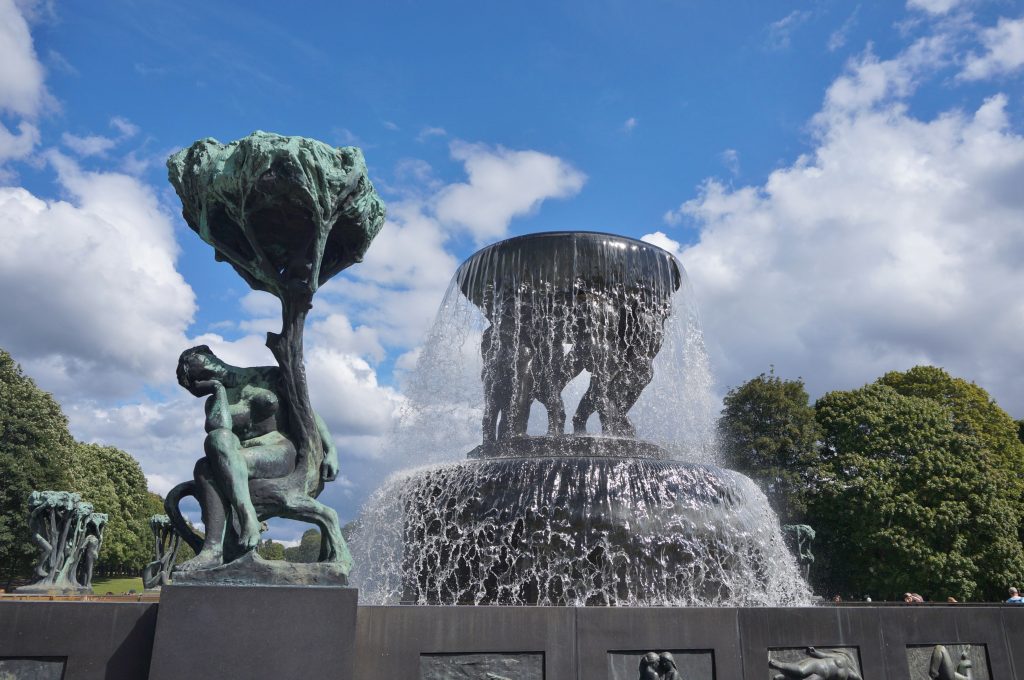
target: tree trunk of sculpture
286 347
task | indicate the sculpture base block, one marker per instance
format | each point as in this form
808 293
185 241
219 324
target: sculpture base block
253 570
254 632
52 589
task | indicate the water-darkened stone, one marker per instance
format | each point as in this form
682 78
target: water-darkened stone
482 667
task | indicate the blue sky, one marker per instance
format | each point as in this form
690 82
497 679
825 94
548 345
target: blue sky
841 180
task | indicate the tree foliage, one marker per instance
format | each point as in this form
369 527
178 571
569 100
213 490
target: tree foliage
35 448
917 489
37 452
113 482
271 550
308 549
769 433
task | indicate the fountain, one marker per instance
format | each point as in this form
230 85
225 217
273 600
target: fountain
637 514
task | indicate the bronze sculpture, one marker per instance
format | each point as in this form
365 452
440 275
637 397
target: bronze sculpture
69 536
287 213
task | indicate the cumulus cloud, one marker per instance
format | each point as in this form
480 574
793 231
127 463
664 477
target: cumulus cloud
502 184
895 241
22 91
629 125
397 288
870 81
91 283
1003 51
15 146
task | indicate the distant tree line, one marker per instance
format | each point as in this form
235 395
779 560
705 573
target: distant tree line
913 483
37 452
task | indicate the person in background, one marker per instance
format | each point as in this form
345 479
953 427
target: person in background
912 598
1015 597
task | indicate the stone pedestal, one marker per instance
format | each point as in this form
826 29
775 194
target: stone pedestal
254 632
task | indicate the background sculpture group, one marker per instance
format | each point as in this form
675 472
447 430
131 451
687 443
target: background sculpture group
69 536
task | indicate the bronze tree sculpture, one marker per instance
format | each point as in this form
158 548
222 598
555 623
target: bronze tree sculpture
287 213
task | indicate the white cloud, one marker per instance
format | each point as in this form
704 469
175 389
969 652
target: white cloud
344 390
780 33
1004 51
88 145
22 91
731 161
838 38
92 284
896 241
629 125
428 132
99 145
124 127
869 81
503 184
18 146
934 6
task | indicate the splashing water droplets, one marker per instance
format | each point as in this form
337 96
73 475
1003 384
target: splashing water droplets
542 341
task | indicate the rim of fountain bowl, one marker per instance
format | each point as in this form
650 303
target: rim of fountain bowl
462 272
568 446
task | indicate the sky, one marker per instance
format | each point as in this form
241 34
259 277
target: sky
842 181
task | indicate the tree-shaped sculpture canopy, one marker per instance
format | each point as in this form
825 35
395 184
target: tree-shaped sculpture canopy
287 213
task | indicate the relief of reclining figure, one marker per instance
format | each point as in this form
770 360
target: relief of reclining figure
835 665
251 470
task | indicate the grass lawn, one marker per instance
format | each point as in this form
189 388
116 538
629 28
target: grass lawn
118 586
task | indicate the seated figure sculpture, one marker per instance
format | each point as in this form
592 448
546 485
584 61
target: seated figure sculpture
251 470
942 668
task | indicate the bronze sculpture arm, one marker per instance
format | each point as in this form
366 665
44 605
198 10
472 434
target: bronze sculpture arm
329 466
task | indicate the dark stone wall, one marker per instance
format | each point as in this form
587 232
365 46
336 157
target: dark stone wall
109 641
313 632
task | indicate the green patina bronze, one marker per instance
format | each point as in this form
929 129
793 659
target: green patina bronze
69 536
166 542
287 213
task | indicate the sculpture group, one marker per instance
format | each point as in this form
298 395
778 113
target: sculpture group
546 327
287 213
654 666
69 536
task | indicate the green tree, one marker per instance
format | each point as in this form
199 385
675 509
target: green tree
1020 430
769 433
271 550
113 482
308 549
35 447
912 492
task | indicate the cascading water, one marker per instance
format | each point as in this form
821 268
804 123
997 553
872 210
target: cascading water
545 511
